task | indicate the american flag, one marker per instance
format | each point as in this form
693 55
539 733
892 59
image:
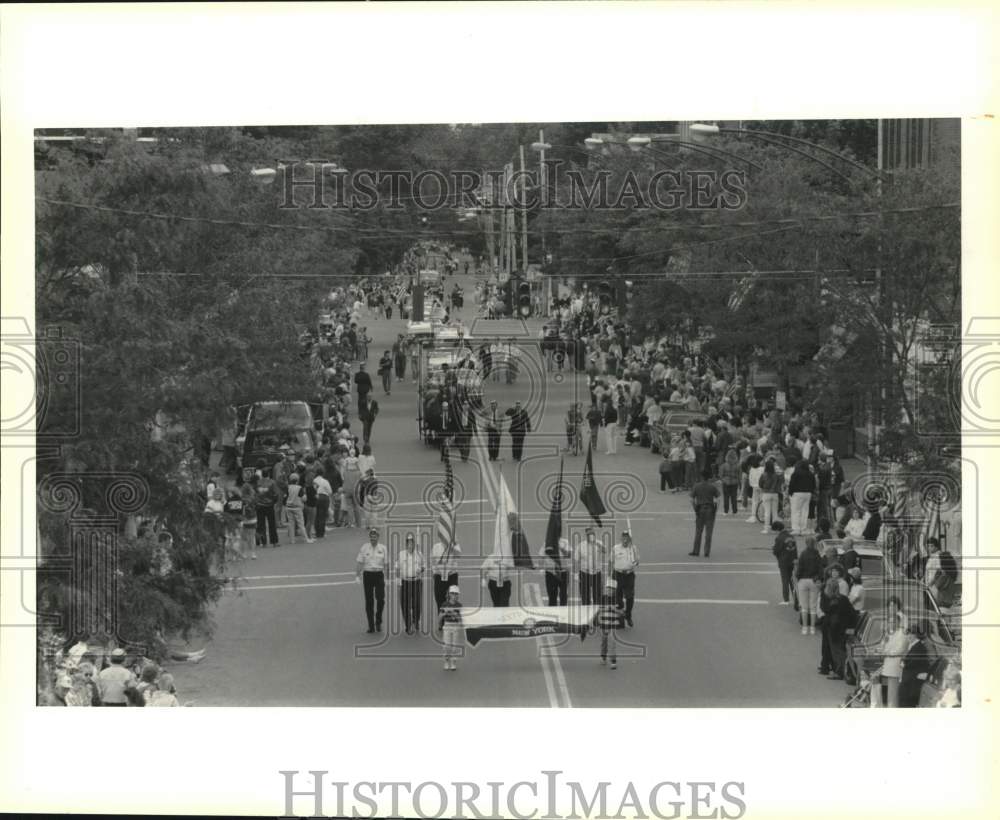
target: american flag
446 518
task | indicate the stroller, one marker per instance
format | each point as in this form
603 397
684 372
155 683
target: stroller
861 697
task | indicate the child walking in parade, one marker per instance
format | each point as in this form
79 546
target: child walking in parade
609 618
450 623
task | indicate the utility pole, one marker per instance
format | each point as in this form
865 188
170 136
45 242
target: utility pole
543 184
871 451
511 223
504 245
524 218
488 216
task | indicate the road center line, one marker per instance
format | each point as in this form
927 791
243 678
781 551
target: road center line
698 601
550 660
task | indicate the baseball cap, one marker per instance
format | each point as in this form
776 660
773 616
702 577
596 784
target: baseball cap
373 531
453 590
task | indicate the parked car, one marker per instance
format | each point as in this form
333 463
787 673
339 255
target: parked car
669 425
919 608
876 568
271 424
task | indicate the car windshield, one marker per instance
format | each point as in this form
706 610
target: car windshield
918 606
287 416
871 566
299 440
913 596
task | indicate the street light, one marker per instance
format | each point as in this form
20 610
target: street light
774 138
263 176
638 143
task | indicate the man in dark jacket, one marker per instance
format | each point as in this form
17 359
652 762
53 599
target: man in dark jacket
493 433
519 543
705 500
466 433
520 425
786 552
367 411
399 351
839 616
594 419
362 382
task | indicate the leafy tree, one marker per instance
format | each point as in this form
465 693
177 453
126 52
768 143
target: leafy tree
176 319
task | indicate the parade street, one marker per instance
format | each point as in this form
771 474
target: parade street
707 631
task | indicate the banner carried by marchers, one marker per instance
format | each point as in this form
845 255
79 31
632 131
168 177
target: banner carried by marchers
515 622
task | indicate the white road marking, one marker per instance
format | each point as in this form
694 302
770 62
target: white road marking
299 586
702 563
431 503
558 693
304 575
697 601
707 572
470 577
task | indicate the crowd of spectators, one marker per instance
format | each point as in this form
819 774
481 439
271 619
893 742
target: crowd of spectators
94 673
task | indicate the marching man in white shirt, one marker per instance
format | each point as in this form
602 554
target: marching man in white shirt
626 560
410 569
588 560
371 568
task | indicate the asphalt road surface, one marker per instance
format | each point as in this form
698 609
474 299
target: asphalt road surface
708 632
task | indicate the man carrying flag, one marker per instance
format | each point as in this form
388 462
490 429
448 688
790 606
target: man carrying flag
555 550
499 567
446 550
589 494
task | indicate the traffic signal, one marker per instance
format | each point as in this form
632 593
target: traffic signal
507 295
605 296
524 299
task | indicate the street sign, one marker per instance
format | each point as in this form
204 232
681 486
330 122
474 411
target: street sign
780 399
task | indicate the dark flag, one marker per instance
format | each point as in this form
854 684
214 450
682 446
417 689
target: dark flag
554 531
589 495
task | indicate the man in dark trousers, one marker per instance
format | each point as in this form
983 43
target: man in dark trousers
362 383
467 433
493 433
448 427
367 411
520 425
705 500
399 356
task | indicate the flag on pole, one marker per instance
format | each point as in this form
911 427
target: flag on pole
446 517
501 529
554 531
589 494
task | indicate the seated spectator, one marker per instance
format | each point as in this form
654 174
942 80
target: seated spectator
855 527
163 693
147 680
856 594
